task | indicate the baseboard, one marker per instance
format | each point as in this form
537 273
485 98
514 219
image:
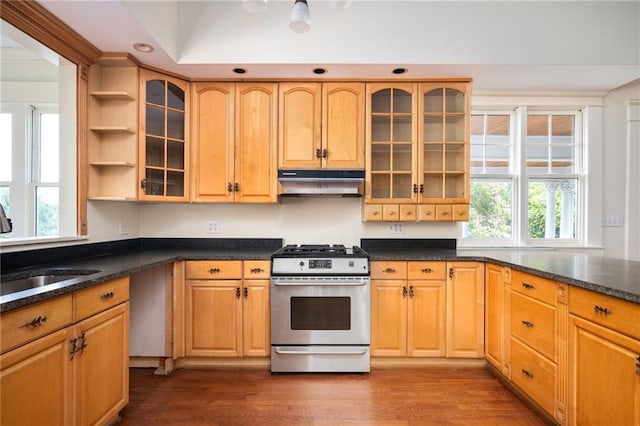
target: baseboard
392 362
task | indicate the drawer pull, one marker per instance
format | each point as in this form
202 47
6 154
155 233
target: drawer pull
404 291
427 270
256 270
214 270
411 292
107 296
527 374
389 271
528 286
638 365
78 344
237 292
601 310
527 324
36 322
245 292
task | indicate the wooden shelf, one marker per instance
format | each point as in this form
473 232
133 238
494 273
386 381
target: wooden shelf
112 96
112 198
112 164
111 129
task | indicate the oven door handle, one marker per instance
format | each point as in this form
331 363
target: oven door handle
299 283
302 352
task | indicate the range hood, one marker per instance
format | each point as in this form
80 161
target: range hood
321 182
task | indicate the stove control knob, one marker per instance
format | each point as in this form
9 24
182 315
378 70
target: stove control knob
301 263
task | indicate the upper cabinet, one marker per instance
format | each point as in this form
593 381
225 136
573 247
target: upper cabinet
163 138
234 142
112 147
417 151
321 125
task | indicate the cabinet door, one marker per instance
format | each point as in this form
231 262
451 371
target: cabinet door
391 127
494 316
256 318
389 318
604 376
213 142
101 369
164 131
465 310
300 112
213 318
255 143
36 382
343 125
426 317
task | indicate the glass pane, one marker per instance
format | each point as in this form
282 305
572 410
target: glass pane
433 186
175 124
498 125
5 201
321 313
490 210
562 125
537 158
537 125
454 125
402 128
402 186
381 185
155 120
454 100
454 157
175 184
380 157
401 102
432 158
155 152
5 147
433 101
402 157
477 128
433 128
381 128
49 148
154 182
552 208
454 186
477 158
381 101
175 97
155 92
47 211
175 155
562 159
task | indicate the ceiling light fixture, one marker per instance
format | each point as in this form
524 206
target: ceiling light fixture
340 4
254 6
143 47
300 19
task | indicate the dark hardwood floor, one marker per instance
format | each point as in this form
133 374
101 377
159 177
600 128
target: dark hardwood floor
394 397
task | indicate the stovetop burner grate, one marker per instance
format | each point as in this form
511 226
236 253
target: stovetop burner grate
315 248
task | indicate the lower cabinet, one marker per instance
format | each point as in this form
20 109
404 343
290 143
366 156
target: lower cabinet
77 375
497 290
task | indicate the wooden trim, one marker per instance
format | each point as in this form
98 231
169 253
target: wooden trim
259 363
412 362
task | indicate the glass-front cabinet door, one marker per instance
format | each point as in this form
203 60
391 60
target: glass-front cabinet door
392 131
163 138
444 142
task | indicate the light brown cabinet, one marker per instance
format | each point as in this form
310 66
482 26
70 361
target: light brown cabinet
604 354
417 151
321 125
465 310
77 375
226 315
163 137
234 144
112 142
497 317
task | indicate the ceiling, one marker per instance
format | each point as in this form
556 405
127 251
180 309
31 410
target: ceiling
505 46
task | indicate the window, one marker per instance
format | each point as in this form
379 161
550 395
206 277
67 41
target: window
526 178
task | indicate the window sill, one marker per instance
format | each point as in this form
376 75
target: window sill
33 241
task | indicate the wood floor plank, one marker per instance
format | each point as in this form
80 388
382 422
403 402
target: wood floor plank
385 397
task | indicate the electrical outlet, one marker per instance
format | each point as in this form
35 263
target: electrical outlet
396 228
123 227
613 220
213 227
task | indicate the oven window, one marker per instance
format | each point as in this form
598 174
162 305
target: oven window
320 313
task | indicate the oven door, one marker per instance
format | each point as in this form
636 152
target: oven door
320 310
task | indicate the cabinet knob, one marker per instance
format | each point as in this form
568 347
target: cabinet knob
404 291
427 270
256 270
527 324
602 310
451 273
528 286
389 270
237 292
638 365
318 153
236 187
527 374
214 270
422 188
245 292
411 292
325 153
229 188
415 188
107 296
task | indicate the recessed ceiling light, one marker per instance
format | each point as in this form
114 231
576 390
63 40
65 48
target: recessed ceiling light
319 70
399 70
239 70
143 47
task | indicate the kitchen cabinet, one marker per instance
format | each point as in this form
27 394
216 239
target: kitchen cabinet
417 162
604 354
465 310
497 320
321 125
234 154
226 316
112 142
539 341
163 137
77 374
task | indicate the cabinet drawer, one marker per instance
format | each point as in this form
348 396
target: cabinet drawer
213 269
427 270
539 288
533 322
33 321
256 269
92 300
534 374
608 311
388 270
444 213
461 212
391 212
373 212
426 212
407 212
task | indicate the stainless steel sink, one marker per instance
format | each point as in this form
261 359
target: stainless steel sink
49 276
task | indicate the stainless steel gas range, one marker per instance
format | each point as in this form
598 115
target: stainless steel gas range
320 309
